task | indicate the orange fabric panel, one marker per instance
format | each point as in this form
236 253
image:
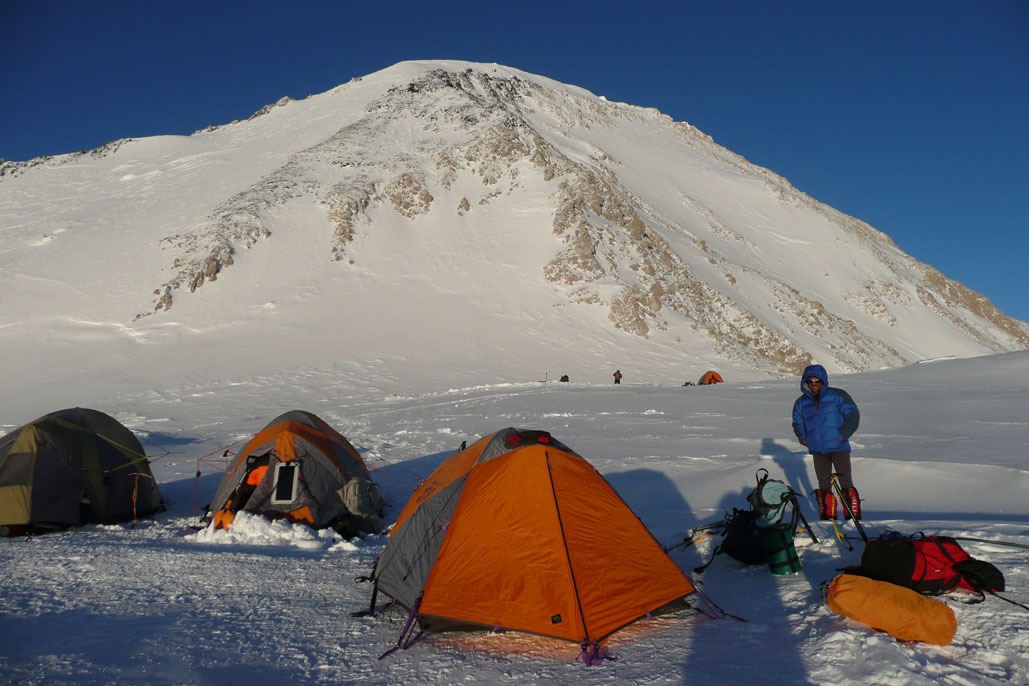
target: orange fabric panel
447 473
285 446
256 475
505 563
283 435
302 515
621 571
292 432
264 436
900 612
223 519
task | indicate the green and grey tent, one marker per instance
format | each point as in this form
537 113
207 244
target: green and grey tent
73 467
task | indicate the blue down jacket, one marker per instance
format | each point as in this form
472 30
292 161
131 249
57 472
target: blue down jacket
825 422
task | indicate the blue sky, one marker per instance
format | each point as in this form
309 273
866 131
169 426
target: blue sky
912 116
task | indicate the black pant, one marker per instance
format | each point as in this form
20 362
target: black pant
827 463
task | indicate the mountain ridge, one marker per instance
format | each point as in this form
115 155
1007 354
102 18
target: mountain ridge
611 215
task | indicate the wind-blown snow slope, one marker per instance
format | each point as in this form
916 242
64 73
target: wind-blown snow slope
473 220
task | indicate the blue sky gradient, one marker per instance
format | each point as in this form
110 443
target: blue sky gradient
912 116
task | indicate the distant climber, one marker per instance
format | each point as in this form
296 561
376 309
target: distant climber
618 376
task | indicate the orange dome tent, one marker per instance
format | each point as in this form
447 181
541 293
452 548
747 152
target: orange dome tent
710 378
519 532
301 469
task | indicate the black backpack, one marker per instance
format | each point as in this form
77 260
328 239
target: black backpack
769 502
742 541
930 565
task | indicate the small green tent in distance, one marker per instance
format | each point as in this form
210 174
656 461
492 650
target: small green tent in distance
73 467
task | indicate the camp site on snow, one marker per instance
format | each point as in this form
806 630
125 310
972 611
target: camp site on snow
516 532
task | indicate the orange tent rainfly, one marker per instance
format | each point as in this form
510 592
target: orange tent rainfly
301 469
519 532
710 378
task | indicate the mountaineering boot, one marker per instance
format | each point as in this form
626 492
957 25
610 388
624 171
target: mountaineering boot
826 504
853 501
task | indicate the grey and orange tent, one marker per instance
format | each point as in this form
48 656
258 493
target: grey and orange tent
73 467
519 532
710 378
301 469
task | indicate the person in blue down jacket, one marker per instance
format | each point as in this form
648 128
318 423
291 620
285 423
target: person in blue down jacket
824 419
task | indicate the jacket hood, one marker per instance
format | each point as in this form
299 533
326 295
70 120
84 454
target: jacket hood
817 371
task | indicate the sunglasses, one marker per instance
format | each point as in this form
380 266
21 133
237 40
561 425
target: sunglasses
815 381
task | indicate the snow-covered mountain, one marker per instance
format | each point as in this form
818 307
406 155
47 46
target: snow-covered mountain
503 216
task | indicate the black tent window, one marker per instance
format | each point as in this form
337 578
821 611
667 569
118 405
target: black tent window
286 483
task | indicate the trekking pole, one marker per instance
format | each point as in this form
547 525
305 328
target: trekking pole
841 537
807 526
846 505
984 540
697 534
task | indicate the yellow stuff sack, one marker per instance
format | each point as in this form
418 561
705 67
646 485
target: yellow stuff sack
899 611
